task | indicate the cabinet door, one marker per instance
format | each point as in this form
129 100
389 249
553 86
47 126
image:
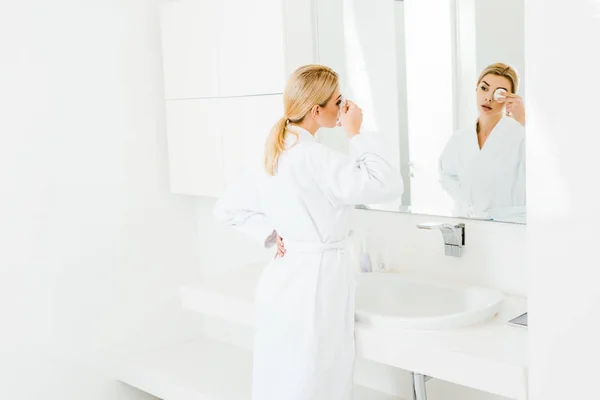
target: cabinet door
249 122
251 52
189 31
195 148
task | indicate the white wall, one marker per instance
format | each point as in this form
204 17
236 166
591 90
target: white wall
563 197
93 247
494 254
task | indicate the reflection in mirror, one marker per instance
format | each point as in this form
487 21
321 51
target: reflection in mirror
482 167
441 84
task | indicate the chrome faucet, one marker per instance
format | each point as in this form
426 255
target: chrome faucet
454 236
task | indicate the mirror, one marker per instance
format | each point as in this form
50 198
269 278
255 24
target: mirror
425 74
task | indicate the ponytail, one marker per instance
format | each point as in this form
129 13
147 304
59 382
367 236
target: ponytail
275 145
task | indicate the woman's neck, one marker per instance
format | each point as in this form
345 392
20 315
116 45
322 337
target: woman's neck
310 126
486 123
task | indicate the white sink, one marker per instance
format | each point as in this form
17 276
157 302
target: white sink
396 301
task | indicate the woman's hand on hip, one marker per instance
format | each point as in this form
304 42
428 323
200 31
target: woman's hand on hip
280 247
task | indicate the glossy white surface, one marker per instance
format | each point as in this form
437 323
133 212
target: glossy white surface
221 49
251 51
396 301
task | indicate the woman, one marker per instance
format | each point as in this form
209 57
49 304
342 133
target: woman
483 167
304 339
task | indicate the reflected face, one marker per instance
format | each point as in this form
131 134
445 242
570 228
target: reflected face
485 94
329 114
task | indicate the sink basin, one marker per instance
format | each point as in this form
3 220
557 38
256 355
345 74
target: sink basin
396 301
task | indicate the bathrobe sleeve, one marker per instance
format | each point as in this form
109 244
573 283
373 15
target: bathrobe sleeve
240 207
365 177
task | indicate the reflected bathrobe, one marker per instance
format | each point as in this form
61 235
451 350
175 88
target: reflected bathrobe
486 183
304 338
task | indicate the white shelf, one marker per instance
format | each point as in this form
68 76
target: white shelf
491 357
202 369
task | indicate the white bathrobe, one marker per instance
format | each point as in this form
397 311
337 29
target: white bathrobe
304 339
487 183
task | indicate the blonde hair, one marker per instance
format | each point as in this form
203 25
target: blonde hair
504 70
308 86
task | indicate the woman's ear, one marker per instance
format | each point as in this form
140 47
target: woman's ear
315 111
